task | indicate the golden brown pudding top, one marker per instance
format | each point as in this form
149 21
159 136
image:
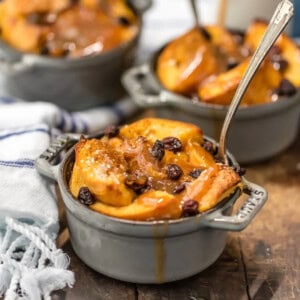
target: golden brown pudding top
152 169
67 28
208 64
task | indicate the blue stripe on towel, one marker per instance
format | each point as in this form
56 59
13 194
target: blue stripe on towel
85 128
2 137
22 163
7 100
62 123
73 124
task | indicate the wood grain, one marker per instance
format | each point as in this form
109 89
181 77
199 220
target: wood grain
271 245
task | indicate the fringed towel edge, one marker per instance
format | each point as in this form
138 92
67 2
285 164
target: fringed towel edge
31 267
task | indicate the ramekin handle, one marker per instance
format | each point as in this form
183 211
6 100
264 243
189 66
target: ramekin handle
45 163
240 220
136 81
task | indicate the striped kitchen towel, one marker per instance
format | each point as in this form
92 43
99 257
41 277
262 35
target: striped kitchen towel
31 266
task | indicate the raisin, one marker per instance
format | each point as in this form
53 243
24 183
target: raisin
240 171
280 65
158 150
123 21
286 88
190 208
195 173
209 147
137 182
179 188
172 144
231 63
44 50
85 197
174 171
111 131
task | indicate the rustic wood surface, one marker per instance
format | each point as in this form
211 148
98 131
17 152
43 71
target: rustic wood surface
262 262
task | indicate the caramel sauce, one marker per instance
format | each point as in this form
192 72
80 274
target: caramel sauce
84 31
128 181
160 252
67 28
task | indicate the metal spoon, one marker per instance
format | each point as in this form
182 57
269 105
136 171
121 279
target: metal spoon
195 13
202 30
280 19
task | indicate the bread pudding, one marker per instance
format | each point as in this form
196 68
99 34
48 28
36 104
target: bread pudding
152 169
208 63
66 28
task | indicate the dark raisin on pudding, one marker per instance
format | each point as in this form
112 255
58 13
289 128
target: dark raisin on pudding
190 208
123 21
172 144
85 197
45 50
195 173
158 150
111 131
286 88
137 182
179 188
174 171
209 147
231 63
280 64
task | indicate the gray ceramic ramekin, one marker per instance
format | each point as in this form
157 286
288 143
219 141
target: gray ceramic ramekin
257 132
147 252
73 84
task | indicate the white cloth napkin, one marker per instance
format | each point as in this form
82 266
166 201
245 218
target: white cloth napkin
31 266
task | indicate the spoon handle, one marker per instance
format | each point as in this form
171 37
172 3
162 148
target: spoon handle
280 19
195 12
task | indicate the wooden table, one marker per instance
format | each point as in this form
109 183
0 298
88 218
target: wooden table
261 262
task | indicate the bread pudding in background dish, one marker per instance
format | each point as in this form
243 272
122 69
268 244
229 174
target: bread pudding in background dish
67 28
208 65
151 170
70 53
139 196
194 77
